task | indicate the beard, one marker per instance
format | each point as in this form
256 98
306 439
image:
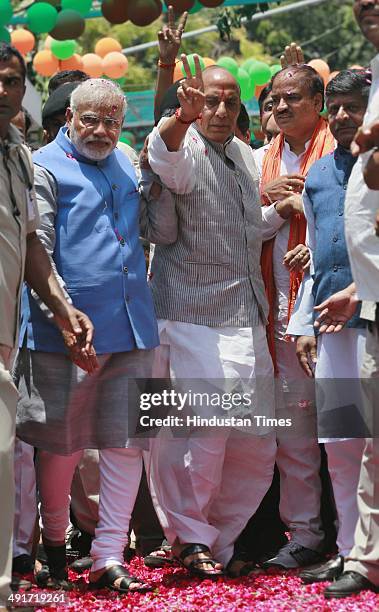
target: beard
84 147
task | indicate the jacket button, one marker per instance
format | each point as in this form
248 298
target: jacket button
125 269
335 268
114 186
335 239
122 242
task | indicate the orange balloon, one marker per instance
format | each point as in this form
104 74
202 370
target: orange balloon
178 74
23 40
208 61
115 65
45 63
258 90
107 45
74 62
333 74
92 65
321 67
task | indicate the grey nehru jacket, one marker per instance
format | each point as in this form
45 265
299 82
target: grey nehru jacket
211 274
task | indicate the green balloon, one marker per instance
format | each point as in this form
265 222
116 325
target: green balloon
275 69
4 35
41 17
191 63
260 73
246 85
6 12
63 49
126 140
82 6
248 64
229 64
196 7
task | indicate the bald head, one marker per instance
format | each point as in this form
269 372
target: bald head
216 74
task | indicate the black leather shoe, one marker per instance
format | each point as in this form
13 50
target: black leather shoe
349 583
81 565
292 556
324 572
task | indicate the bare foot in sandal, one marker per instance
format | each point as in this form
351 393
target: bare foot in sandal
197 559
117 578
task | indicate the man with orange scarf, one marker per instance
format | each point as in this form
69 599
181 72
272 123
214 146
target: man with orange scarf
298 97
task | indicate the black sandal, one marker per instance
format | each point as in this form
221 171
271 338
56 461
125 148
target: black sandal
156 561
107 579
193 567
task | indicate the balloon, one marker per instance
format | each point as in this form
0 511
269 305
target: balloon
4 35
74 62
70 24
191 63
45 63
92 65
208 61
196 7
180 5
144 12
211 3
63 49
107 45
258 90
275 69
6 12
178 74
248 64
82 6
115 11
260 73
115 65
332 75
321 67
229 64
41 17
244 80
22 40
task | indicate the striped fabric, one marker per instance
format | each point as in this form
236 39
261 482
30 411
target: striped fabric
211 274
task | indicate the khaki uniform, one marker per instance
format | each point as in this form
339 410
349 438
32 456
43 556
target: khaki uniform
18 217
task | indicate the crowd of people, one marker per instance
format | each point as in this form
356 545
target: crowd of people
262 293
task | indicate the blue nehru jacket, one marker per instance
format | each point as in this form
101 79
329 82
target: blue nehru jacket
97 252
326 186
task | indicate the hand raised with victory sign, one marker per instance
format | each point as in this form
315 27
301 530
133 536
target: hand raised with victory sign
191 91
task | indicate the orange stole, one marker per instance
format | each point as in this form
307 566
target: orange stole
322 143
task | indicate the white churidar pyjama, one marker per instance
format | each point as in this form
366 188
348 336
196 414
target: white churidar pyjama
206 488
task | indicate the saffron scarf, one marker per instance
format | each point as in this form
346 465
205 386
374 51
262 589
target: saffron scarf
321 143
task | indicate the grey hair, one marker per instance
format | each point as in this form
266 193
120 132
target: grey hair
98 91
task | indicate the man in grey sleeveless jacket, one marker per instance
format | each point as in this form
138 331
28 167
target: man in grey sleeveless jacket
210 301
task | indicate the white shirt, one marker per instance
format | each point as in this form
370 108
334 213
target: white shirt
290 164
361 207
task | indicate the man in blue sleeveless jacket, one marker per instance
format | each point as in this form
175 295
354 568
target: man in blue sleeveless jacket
89 204
339 357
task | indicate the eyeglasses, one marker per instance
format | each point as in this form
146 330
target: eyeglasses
231 104
93 121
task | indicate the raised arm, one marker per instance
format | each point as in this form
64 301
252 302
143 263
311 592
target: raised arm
169 40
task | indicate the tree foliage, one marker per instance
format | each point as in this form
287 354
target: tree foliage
327 30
